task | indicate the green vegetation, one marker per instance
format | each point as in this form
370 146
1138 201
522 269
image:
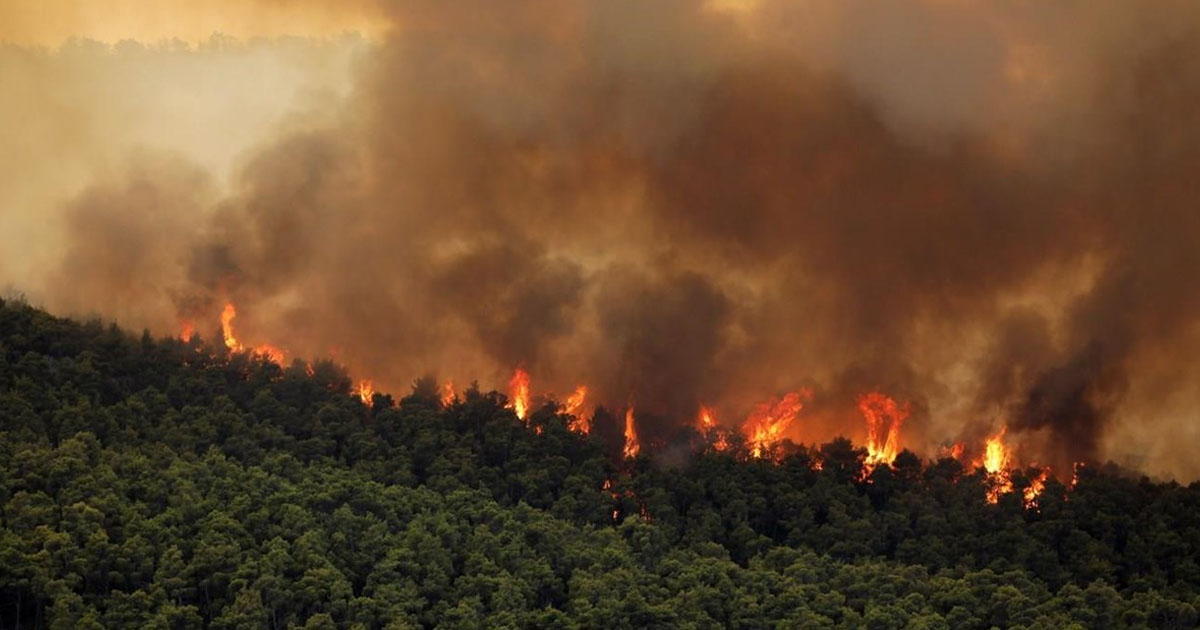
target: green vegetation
162 484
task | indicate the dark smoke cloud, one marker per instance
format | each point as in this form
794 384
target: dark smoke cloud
683 205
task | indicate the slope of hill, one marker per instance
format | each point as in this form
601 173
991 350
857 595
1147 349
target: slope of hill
166 484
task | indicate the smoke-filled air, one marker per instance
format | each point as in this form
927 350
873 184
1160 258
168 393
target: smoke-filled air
938 225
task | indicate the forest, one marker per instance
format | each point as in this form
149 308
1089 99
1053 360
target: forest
169 484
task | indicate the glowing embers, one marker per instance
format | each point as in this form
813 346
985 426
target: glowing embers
884 417
765 426
518 393
265 350
632 447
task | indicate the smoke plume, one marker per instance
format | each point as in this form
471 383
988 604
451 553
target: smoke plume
684 203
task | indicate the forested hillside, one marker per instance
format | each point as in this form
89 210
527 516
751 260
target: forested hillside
157 483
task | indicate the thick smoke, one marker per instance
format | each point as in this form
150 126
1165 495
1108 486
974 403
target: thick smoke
683 203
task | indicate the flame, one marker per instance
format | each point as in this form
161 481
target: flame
707 424
447 393
575 401
1035 487
996 461
573 407
631 439
270 352
884 417
267 350
227 316
766 424
519 393
365 391
187 330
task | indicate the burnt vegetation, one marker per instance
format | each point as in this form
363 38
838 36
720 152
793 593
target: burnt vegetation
158 483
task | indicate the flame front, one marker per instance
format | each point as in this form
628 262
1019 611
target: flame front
631 439
519 393
765 426
884 417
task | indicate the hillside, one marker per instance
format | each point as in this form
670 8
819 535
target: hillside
157 483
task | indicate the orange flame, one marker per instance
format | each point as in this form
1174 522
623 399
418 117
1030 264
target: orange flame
996 461
884 417
519 393
631 439
1035 487
574 407
707 423
231 342
227 316
765 426
365 391
187 330
447 393
270 352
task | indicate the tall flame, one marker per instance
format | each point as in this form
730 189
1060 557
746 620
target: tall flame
631 439
996 461
765 426
519 393
447 393
884 417
573 407
227 316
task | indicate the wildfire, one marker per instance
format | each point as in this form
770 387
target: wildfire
227 316
996 460
1036 485
707 423
231 342
365 391
519 393
767 423
187 330
447 393
884 417
574 407
631 439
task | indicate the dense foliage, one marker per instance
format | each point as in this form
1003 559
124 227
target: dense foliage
166 484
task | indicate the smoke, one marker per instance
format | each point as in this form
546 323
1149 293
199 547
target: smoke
685 203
